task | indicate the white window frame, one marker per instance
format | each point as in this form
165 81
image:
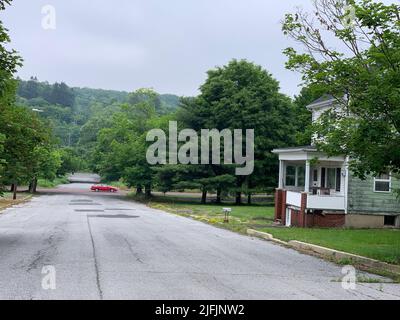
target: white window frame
383 180
298 168
296 176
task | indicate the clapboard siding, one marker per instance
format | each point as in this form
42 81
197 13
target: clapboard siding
363 199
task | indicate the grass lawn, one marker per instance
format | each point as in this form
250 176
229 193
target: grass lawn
6 200
382 244
241 218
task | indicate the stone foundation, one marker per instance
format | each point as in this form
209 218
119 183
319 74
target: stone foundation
364 221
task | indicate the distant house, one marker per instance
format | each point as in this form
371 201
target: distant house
326 194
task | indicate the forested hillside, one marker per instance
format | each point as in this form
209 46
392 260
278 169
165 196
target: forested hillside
77 114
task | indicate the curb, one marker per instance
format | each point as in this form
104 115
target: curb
266 236
340 255
329 253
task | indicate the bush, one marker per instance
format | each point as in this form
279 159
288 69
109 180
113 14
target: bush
118 184
45 183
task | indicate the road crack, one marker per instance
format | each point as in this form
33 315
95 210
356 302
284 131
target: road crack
45 255
133 253
96 266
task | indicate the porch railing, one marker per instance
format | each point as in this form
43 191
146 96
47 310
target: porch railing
316 201
293 198
326 202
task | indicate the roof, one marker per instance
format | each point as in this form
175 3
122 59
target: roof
326 99
305 153
295 149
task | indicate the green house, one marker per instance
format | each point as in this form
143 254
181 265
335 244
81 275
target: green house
325 193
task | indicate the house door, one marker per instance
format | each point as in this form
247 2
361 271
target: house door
288 218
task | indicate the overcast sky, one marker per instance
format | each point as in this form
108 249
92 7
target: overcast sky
167 45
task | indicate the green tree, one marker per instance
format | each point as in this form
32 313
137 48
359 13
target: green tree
302 123
363 74
120 150
63 95
29 89
139 172
9 59
242 95
47 162
24 133
145 96
69 160
2 161
194 177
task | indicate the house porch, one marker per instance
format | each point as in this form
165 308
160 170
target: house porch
312 188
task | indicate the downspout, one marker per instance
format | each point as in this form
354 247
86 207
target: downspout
346 186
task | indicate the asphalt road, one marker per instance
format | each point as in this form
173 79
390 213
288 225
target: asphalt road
103 247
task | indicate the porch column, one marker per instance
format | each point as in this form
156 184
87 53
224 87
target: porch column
283 207
307 177
278 204
281 174
303 210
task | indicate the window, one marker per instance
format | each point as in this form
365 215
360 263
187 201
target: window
301 176
315 175
338 179
323 174
390 221
382 183
331 179
295 176
291 176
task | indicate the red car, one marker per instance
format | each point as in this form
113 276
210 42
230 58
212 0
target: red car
101 187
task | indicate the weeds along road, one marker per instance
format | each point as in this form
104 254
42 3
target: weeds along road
103 247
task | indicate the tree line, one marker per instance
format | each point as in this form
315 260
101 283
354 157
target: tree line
22 136
239 95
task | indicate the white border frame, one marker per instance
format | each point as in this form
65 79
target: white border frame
296 176
383 180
